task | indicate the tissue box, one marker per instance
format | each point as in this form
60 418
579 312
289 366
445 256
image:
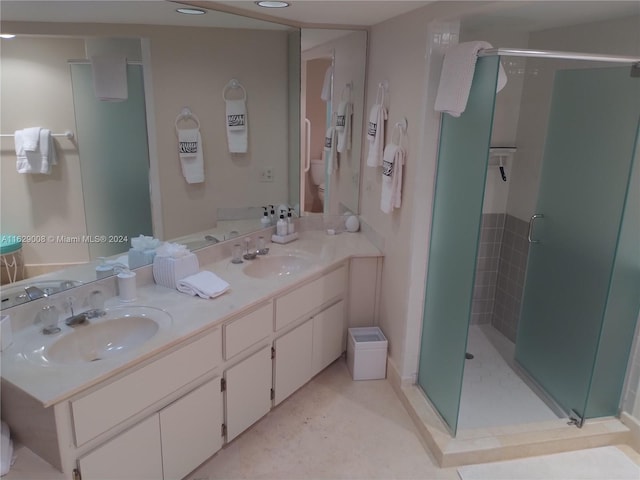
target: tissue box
140 258
167 270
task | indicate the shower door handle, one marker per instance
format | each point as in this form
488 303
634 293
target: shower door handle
532 220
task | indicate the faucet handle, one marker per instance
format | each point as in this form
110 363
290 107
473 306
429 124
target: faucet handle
68 305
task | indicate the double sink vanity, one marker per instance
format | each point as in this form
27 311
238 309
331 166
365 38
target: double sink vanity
153 388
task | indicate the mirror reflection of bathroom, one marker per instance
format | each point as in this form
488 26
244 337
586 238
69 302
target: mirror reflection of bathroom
317 89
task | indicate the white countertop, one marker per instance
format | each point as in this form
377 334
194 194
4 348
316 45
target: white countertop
52 383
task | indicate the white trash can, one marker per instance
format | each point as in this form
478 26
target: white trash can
367 353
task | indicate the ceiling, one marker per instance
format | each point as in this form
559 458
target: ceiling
524 15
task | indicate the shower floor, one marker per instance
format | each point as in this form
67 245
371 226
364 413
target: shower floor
493 395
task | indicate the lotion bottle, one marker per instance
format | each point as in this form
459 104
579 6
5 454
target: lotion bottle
291 227
265 221
272 215
281 227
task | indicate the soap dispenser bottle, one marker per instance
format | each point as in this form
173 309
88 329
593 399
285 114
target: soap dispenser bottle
265 221
281 227
272 215
291 227
103 269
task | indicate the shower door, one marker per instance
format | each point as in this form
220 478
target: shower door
462 168
585 180
114 162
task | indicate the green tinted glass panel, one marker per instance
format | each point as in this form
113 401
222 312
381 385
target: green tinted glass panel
460 183
114 161
585 176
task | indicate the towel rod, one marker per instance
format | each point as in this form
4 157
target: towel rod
68 134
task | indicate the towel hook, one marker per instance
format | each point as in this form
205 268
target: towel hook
185 115
401 128
233 84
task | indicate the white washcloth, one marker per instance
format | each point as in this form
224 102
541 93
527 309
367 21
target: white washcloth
191 156
38 161
391 196
330 150
326 86
205 284
457 75
237 125
343 126
375 135
7 455
110 78
30 138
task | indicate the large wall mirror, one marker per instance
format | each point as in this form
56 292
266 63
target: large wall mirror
121 175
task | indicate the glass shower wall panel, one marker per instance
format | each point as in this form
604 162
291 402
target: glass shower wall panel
457 212
586 169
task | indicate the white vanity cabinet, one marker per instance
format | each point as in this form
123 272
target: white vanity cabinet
167 445
316 342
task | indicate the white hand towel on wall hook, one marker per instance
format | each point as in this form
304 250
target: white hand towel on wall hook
375 129
343 120
190 148
236 120
394 159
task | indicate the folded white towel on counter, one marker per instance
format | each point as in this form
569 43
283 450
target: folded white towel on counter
31 138
110 78
205 284
7 456
375 135
457 76
39 160
237 125
343 126
191 156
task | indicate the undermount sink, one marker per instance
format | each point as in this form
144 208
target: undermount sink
121 330
276 266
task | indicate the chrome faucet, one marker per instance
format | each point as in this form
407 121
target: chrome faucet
75 320
34 293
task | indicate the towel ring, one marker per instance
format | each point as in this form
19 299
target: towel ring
233 85
186 115
400 127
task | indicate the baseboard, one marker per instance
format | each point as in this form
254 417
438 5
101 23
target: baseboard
633 424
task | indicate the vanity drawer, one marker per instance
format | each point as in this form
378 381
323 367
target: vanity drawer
247 330
102 409
296 304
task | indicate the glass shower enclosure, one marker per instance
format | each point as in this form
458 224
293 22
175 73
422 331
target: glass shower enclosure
582 289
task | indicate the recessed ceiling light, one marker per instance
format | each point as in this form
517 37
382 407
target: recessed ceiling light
191 11
7 35
272 4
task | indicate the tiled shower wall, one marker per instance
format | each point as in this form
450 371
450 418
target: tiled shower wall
484 289
511 276
500 272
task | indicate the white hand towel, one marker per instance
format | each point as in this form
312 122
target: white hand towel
38 161
110 78
375 135
391 195
457 75
326 86
330 150
343 126
205 284
7 456
30 138
191 156
237 125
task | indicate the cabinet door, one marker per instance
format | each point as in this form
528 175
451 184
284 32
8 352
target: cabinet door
248 395
191 430
132 455
293 360
328 336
